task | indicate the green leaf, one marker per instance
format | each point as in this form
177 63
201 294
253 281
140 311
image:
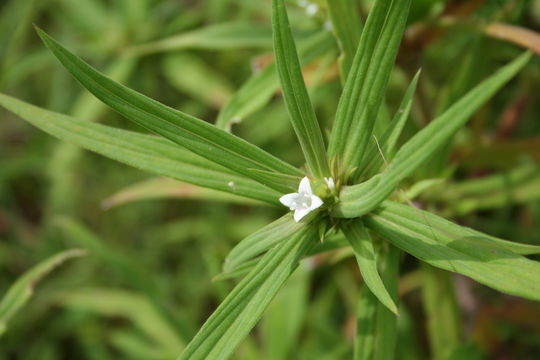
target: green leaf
362 244
63 164
481 259
196 135
260 241
359 199
383 149
243 307
417 150
149 153
231 35
467 234
20 293
366 84
347 26
301 112
259 89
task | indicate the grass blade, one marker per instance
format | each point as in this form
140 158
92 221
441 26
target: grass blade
301 112
196 135
22 290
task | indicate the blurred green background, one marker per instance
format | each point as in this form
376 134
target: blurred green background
154 246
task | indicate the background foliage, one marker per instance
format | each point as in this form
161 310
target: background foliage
144 286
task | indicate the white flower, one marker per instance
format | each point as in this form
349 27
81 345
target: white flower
302 202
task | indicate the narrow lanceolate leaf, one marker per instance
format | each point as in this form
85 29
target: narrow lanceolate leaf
301 111
452 230
145 152
362 244
243 307
346 24
373 90
196 135
359 199
22 290
479 259
367 80
383 149
259 89
233 35
260 241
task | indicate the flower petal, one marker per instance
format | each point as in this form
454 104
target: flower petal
305 186
315 202
300 213
288 200
330 183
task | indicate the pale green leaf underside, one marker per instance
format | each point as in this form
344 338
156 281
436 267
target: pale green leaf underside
146 152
